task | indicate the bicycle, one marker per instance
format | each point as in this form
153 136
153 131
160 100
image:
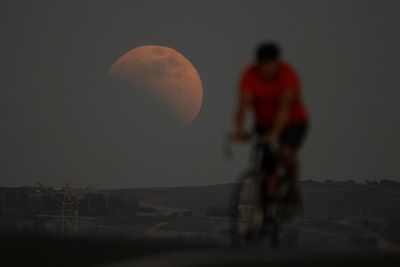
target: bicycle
259 212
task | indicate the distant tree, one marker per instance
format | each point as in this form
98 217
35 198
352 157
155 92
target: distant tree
389 183
371 182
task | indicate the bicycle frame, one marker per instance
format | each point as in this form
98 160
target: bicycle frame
257 153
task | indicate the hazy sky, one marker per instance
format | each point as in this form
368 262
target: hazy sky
62 120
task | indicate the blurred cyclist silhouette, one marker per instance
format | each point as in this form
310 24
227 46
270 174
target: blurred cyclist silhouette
271 89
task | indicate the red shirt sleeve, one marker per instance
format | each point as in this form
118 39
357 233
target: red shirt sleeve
246 81
290 79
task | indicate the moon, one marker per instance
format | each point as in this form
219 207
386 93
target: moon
164 73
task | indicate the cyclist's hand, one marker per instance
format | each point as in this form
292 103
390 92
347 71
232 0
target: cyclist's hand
239 135
271 139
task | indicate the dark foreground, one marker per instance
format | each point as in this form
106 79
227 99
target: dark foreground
51 252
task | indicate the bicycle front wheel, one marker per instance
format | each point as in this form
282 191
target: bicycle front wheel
247 211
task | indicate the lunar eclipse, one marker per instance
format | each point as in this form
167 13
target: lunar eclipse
166 75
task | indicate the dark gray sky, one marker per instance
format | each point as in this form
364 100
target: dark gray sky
62 120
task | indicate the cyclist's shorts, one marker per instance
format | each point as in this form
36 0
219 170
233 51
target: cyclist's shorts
292 136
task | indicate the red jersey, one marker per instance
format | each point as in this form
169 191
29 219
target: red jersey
267 94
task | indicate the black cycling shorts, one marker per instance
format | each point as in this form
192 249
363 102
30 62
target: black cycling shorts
293 135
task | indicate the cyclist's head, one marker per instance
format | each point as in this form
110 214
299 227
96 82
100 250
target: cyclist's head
268 55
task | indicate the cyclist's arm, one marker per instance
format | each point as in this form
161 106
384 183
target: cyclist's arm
283 112
245 100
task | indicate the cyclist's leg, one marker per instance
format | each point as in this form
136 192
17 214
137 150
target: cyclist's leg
289 160
270 178
290 141
268 167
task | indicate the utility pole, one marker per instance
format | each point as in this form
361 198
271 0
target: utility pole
68 200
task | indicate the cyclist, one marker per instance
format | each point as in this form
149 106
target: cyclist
271 88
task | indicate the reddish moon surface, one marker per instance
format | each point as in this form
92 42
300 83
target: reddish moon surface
164 73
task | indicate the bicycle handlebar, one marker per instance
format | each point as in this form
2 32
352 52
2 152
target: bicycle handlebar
230 138
248 138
